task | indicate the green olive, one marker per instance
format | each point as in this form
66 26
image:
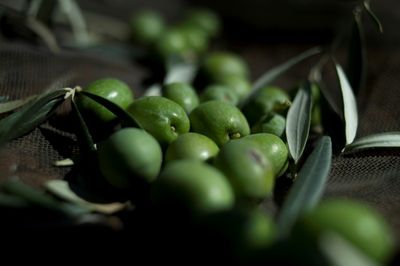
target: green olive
192 187
113 90
274 149
205 20
147 26
172 42
191 146
161 117
218 65
219 92
183 94
356 222
268 99
250 172
240 85
219 120
128 156
272 123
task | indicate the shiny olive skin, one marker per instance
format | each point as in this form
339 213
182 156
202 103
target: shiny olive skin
183 94
250 172
266 100
113 90
161 117
191 145
273 123
219 120
192 187
272 147
129 155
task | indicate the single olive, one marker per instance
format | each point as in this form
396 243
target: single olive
238 84
274 149
192 187
219 120
113 90
191 146
128 156
183 94
219 92
147 26
205 20
161 117
266 100
250 172
171 43
272 123
355 222
220 64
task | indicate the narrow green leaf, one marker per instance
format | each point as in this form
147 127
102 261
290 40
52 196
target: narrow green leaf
307 190
30 116
372 15
180 71
11 201
349 106
9 106
124 116
356 58
85 138
39 198
381 140
61 189
333 244
275 72
298 122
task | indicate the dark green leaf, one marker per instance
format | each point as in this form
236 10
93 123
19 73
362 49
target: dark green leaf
298 122
381 140
372 15
307 190
61 189
9 106
275 72
30 116
39 198
332 244
349 106
356 58
85 138
11 201
180 71
124 116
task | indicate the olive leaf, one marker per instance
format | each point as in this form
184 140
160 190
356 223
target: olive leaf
124 116
380 140
85 138
9 106
349 105
61 189
180 71
38 198
275 72
307 190
356 58
298 121
372 15
30 115
332 244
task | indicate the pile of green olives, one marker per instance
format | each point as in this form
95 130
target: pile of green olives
207 155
